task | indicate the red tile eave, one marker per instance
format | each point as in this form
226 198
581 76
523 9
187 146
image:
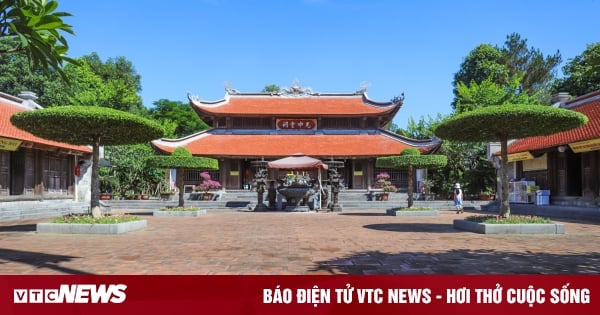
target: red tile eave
8 130
591 130
284 145
294 106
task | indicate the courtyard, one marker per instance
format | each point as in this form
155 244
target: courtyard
227 242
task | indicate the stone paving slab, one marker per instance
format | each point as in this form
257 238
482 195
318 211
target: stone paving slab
249 243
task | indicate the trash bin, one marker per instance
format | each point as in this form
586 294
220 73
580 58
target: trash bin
542 197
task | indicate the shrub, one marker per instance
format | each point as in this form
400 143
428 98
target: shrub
88 219
515 219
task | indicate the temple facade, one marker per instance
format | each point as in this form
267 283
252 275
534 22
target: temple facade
250 129
567 164
30 165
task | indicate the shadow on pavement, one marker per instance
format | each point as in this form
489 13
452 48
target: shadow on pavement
365 214
19 228
414 227
39 260
461 261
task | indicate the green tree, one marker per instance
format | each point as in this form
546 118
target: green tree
582 73
481 63
489 93
536 71
181 114
411 158
128 164
391 126
38 29
509 121
423 129
123 83
15 74
94 83
88 125
513 62
271 88
181 159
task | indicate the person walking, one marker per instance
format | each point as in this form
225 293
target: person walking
458 198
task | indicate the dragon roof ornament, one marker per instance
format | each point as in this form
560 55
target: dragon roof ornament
398 99
296 90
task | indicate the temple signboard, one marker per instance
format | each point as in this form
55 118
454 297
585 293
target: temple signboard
520 156
296 124
585 146
9 144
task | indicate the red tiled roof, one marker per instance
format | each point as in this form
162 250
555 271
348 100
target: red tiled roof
295 106
7 130
284 145
591 130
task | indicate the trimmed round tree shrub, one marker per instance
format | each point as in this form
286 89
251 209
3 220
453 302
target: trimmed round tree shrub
503 122
411 158
180 160
88 125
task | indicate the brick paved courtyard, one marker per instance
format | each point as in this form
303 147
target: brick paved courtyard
351 242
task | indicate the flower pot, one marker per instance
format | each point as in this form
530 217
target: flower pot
385 196
105 196
207 196
486 197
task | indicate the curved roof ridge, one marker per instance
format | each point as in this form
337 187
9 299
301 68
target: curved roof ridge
183 140
195 100
415 142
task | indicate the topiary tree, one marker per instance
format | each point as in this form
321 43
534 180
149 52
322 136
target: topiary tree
503 122
180 160
88 125
411 158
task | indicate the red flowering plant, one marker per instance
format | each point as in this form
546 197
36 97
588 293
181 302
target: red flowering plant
384 182
207 183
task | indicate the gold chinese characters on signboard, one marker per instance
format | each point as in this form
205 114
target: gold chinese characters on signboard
520 156
296 124
9 144
585 146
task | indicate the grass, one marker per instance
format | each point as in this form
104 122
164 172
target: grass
179 209
88 219
412 209
513 219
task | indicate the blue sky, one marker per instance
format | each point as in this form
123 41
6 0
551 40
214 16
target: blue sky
410 47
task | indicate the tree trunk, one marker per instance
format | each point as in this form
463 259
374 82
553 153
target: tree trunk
504 202
95 184
179 184
410 186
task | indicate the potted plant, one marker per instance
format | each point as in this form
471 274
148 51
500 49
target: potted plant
108 184
383 181
487 194
207 185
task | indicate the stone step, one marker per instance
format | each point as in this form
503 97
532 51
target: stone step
247 200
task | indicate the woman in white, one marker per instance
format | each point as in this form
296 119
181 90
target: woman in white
458 198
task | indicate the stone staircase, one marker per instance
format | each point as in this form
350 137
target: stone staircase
243 200
349 200
15 210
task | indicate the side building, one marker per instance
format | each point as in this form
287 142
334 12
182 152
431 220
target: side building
251 128
567 164
30 165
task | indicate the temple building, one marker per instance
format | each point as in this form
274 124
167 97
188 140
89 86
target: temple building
567 164
249 128
31 165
